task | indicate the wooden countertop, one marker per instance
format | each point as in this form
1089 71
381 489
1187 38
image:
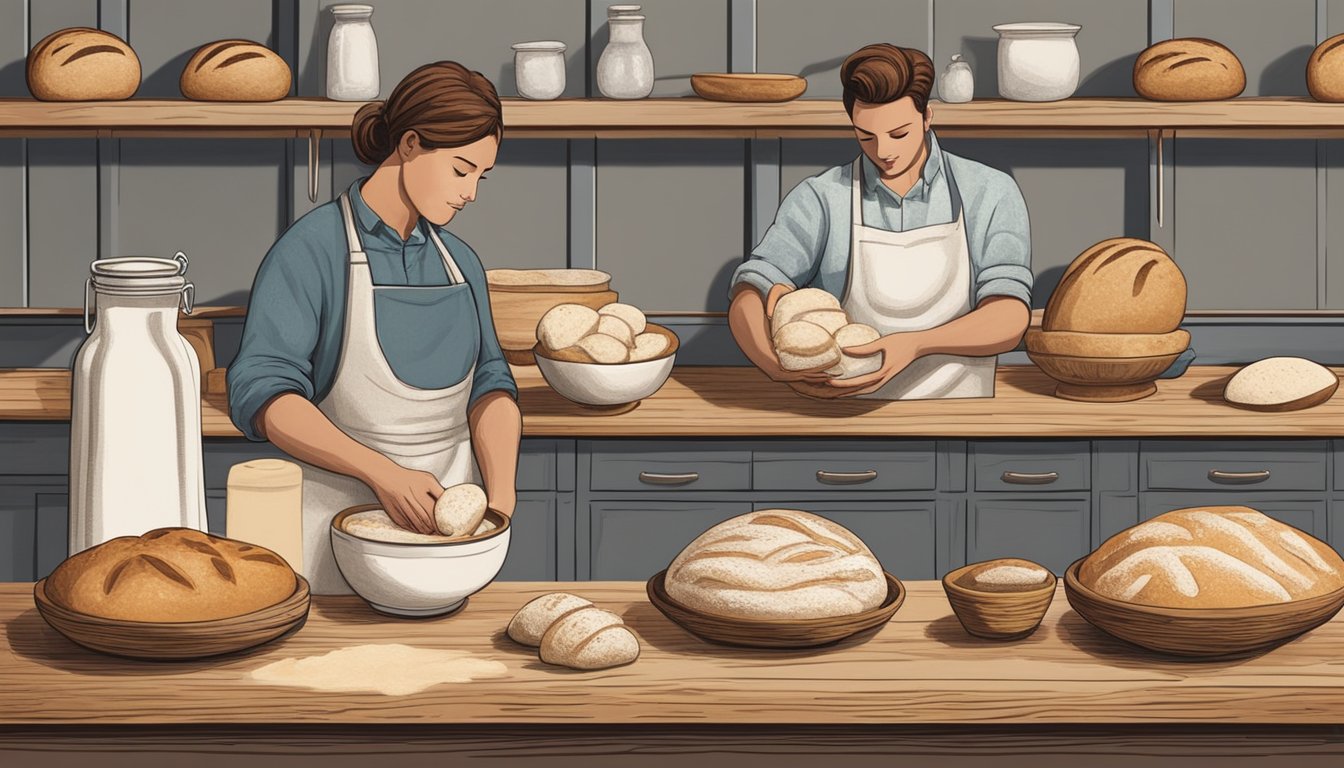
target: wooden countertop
921 668
742 402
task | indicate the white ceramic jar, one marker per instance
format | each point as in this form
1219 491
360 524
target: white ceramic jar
957 84
135 406
352 54
1038 61
625 69
539 69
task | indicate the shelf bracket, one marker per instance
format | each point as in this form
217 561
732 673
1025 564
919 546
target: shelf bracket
314 158
1161 179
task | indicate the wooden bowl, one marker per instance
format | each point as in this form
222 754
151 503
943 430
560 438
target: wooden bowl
176 641
1103 379
998 615
518 299
1205 633
773 633
740 87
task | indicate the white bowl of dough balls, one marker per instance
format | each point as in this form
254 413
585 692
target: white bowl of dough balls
810 329
405 573
610 356
569 631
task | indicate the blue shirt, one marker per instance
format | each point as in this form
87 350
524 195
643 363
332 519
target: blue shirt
808 243
296 313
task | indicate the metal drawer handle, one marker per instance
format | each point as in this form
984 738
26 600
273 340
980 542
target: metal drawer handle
1237 478
846 478
1030 478
656 478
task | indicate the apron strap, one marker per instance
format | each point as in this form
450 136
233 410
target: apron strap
856 204
353 244
454 273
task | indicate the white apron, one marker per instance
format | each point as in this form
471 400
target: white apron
424 429
912 281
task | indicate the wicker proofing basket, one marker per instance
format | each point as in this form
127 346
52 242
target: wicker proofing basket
998 615
774 633
1206 633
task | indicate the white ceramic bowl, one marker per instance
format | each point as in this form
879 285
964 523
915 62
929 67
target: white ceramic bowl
1038 61
599 384
418 579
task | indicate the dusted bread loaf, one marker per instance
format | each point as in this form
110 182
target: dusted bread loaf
82 64
1212 557
1281 384
589 638
531 621
235 70
171 575
1325 70
777 564
1121 285
1188 69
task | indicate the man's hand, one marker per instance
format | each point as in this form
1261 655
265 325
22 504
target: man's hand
772 367
898 351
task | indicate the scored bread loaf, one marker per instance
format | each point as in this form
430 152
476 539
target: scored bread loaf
1120 285
235 70
1325 70
1212 557
589 638
801 345
1280 384
777 564
171 575
460 509
82 64
795 303
1188 69
531 621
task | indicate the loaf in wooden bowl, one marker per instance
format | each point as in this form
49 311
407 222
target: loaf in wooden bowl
1120 285
1188 69
235 70
1325 70
1002 599
82 64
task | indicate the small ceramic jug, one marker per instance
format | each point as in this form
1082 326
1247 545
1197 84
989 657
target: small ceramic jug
958 83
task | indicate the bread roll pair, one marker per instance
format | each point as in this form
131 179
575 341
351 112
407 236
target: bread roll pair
458 513
571 632
1188 69
235 70
615 333
82 64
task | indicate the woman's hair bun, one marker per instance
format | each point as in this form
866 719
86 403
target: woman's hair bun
370 135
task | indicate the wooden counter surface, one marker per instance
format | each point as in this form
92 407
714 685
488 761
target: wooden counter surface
919 669
742 402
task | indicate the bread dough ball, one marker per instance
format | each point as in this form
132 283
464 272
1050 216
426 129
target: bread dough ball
632 315
648 346
564 324
802 345
616 328
604 349
460 510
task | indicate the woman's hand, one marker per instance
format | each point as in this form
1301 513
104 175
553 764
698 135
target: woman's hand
898 351
407 495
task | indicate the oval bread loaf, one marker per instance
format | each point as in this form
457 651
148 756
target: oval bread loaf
235 70
1006 575
795 303
1281 383
460 509
1188 69
1325 70
531 621
1121 285
82 64
589 638
564 324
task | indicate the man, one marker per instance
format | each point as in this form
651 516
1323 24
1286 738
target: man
931 249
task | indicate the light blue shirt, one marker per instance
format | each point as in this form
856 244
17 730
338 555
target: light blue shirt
808 243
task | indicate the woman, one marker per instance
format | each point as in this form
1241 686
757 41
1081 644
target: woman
369 352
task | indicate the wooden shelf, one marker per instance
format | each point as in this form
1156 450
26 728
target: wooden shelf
684 117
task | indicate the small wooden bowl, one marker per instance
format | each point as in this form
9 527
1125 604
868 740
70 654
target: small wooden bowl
747 87
998 615
176 641
773 633
1204 633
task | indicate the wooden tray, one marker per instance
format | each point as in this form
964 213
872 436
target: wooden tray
773 633
176 641
1206 633
747 87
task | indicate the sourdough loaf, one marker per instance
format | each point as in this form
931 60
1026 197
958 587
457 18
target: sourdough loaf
531 621
171 575
235 70
855 335
1121 285
777 564
1188 69
589 638
1325 70
82 64
1212 557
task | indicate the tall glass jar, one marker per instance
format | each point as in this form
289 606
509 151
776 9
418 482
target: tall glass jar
625 69
135 406
352 54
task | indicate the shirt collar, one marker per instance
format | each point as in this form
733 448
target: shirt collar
933 165
369 222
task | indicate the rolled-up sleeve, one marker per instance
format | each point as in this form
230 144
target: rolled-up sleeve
492 370
281 332
1003 256
792 247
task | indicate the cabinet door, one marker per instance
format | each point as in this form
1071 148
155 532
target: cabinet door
532 545
903 534
53 530
33 525
1304 512
632 540
1051 531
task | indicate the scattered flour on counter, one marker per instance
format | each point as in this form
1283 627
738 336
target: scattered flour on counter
391 669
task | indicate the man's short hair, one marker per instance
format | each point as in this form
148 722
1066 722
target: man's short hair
882 73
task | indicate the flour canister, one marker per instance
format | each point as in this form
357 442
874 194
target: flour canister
265 507
135 410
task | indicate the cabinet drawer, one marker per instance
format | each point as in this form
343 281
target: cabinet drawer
1052 532
814 466
1031 466
1302 511
638 465
1224 466
632 540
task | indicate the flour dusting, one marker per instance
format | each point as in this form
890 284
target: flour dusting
390 669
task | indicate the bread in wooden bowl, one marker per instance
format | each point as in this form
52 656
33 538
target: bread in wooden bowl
1003 599
1188 69
82 64
235 70
1120 285
1278 384
1208 582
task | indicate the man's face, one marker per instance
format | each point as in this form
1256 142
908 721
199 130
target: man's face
891 135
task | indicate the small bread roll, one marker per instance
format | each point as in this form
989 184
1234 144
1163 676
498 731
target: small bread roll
802 345
616 328
830 319
794 303
82 64
648 346
632 315
460 510
235 70
564 324
532 620
855 335
589 638
604 349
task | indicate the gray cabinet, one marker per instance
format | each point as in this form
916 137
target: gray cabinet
1053 531
1304 511
532 544
33 523
902 534
632 540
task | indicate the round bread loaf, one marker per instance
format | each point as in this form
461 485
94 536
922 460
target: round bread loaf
1325 70
616 328
564 324
1121 285
531 621
855 335
795 303
235 70
1007 574
632 315
649 346
460 509
1212 557
82 64
1188 69
801 345
1281 383
777 564
589 638
171 575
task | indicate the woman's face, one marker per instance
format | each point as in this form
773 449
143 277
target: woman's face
440 182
